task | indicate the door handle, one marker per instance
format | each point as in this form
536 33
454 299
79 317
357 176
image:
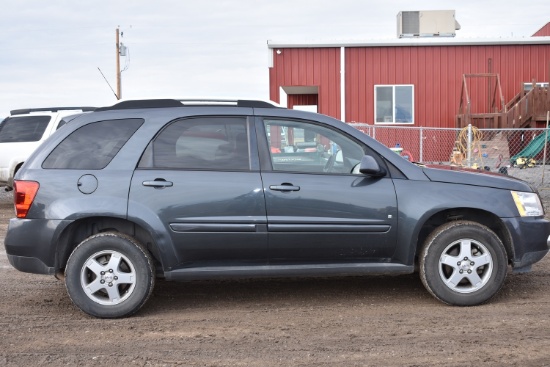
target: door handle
284 187
158 183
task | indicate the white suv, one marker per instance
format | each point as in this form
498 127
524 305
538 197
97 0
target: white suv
23 131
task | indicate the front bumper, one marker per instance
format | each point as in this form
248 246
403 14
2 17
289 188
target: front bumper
530 239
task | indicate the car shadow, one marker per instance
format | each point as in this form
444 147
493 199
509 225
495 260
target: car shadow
288 292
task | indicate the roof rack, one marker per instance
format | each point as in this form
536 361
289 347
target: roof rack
163 103
228 102
24 111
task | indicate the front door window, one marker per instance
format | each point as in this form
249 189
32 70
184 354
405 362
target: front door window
297 146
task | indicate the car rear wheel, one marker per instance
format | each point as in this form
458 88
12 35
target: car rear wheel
463 263
109 275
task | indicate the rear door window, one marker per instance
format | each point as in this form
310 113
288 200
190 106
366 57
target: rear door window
210 143
23 129
92 146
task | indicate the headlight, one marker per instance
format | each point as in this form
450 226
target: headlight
528 204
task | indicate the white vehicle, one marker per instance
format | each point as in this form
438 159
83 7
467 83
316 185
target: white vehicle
23 131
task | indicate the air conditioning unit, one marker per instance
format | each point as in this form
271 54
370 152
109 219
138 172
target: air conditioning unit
427 23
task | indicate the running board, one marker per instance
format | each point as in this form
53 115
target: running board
273 271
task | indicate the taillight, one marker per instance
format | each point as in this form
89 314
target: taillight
24 193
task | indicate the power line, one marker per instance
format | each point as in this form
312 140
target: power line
106 81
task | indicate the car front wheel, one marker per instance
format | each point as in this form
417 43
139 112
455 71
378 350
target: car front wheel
463 263
109 275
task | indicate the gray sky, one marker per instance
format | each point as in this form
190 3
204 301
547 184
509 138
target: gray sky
50 51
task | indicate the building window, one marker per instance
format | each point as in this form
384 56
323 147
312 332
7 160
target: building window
394 104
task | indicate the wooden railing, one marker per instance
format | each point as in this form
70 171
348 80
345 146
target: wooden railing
520 113
495 104
523 110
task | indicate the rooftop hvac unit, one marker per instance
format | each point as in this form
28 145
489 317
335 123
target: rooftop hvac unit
427 23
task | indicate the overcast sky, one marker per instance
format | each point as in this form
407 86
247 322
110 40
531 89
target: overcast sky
50 51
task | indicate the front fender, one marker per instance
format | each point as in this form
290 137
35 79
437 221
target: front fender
419 201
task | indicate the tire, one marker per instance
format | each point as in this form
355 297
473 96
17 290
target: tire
463 263
109 275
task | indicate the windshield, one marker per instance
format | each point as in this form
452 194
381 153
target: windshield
23 129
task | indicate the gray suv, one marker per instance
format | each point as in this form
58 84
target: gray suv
187 190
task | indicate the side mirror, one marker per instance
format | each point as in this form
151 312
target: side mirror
369 166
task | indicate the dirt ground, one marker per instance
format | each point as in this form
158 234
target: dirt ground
358 321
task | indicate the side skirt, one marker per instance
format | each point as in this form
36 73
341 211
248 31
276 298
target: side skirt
273 271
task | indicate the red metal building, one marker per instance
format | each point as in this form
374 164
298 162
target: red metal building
543 32
414 81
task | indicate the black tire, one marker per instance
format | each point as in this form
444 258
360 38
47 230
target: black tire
109 275
463 263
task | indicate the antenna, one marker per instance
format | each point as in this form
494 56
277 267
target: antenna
106 81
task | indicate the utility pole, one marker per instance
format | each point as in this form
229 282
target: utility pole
118 81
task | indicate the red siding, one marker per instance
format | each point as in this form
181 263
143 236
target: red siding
435 71
302 99
544 31
319 67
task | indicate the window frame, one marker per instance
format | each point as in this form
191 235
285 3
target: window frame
393 122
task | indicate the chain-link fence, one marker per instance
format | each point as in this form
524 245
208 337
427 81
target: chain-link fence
522 153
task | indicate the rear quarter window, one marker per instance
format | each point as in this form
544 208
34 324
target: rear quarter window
92 146
23 129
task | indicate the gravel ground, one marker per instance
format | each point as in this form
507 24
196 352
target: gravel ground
4 195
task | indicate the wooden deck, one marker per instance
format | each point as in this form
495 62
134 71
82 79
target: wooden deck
526 109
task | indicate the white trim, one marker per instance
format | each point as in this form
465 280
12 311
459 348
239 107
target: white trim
297 89
306 107
393 123
415 42
343 84
283 99
269 58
